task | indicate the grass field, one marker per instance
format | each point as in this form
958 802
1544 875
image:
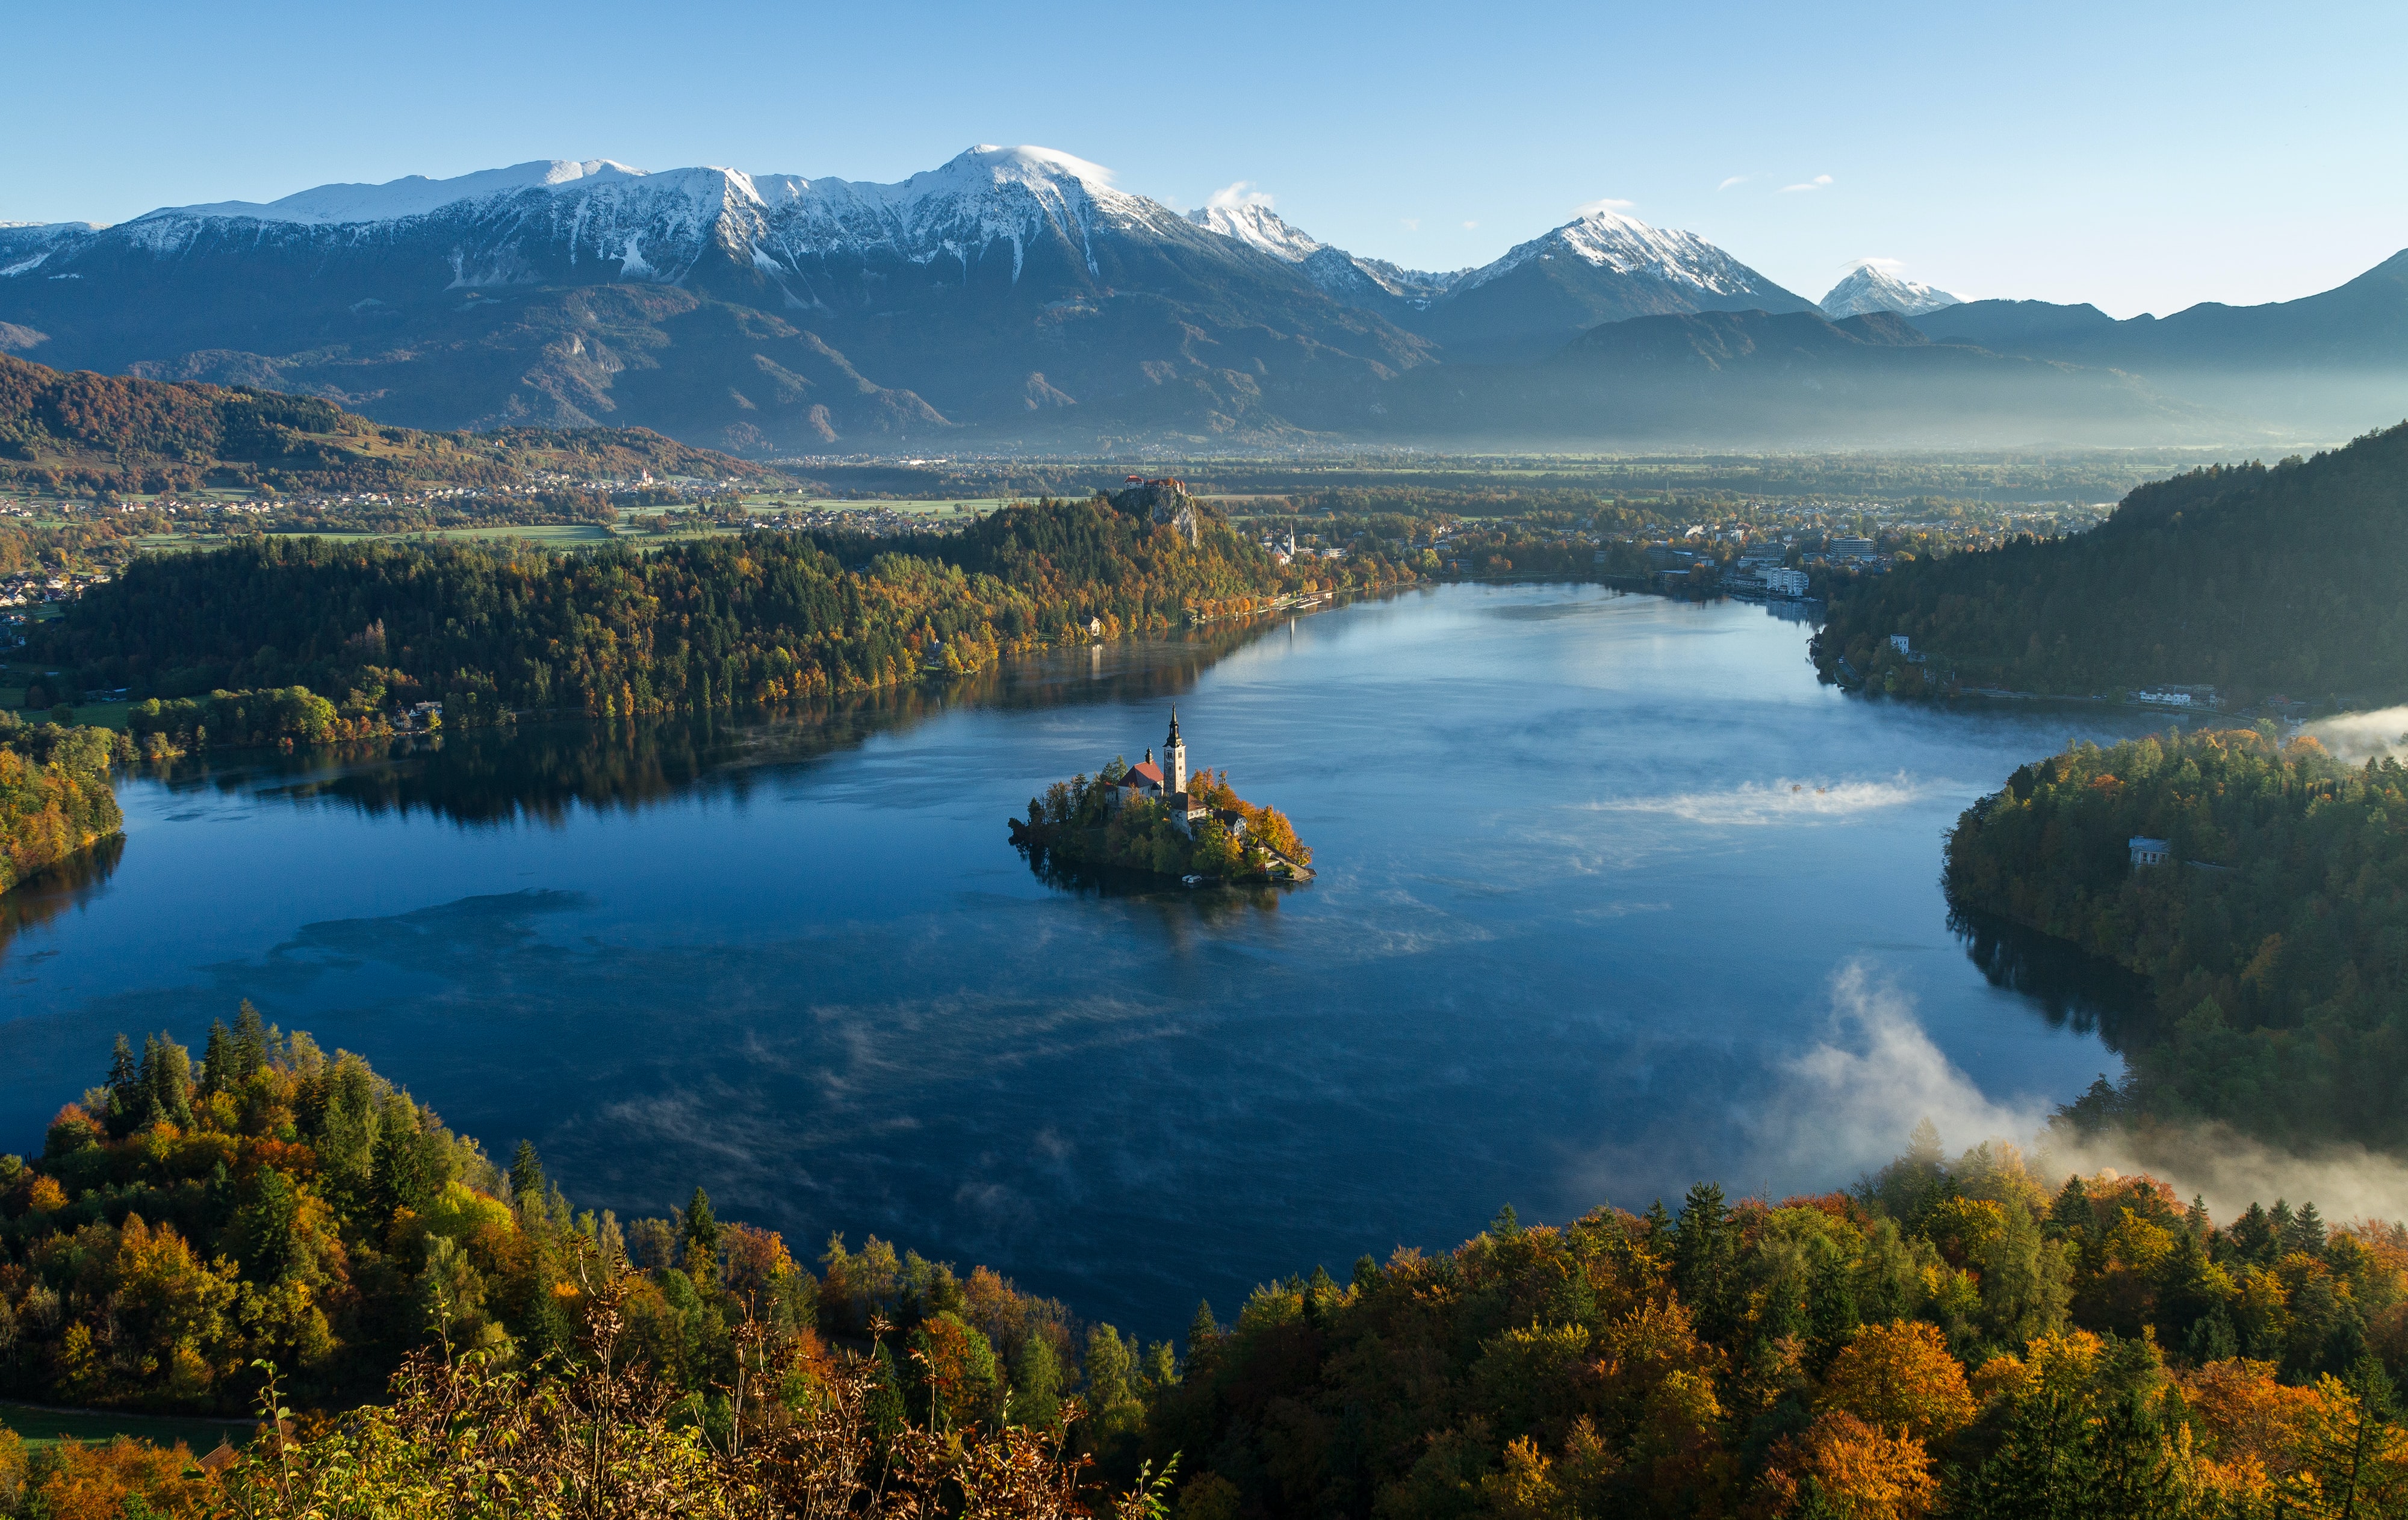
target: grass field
14 679
40 1428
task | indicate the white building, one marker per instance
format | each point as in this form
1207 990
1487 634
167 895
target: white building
2149 851
1784 581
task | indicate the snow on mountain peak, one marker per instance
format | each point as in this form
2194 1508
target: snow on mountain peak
1253 222
1875 285
1608 239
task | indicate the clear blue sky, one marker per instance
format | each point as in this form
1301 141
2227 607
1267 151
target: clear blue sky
2139 156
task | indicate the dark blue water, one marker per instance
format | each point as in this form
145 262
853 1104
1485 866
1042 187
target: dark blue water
1612 896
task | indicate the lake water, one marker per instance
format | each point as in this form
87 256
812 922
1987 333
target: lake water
1612 896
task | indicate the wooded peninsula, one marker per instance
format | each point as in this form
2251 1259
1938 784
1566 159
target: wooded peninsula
2272 927
760 619
2257 580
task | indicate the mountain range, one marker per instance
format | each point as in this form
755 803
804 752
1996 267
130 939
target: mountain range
1018 297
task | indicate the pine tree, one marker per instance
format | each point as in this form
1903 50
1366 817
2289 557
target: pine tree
2253 1236
886 1410
125 1096
700 1239
167 1076
526 1177
215 1057
1037 1384
2354 1449
148 1104
2211 1338
250 1043
2131 1473
1705 1258
2040 1471
2306 1232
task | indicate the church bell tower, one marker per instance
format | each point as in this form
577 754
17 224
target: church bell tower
1174 759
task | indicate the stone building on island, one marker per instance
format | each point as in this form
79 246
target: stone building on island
1166 781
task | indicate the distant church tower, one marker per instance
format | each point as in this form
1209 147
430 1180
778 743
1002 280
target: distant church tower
1174 759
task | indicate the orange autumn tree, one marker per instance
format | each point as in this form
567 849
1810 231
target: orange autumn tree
1900 1377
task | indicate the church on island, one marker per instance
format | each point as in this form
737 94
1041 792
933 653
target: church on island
1166 782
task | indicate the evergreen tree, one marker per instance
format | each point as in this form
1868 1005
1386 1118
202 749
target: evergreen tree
2041 1470
148 1102
1106 1368
2253 1236
2211 1338
526 1175
215 1055
1705 1258
2306 1232
168 1073
126 1100
1037 1384
2130 1473
700 1239
886 1410
250 1043
2355 1450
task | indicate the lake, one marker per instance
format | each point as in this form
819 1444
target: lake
1612 896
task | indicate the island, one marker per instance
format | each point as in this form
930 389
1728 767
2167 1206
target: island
1155 817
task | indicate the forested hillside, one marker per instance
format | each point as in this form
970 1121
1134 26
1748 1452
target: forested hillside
2275 938
106 432
2258 581
760 618
1975 1338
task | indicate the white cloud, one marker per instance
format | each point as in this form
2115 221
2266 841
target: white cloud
1229 198
1410 224
1468 226
1592 208
1889 266
1734 180
1815 184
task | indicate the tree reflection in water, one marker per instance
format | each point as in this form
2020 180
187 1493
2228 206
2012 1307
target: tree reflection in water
543 771
70 884
2072 988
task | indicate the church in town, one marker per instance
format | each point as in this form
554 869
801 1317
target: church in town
1166 781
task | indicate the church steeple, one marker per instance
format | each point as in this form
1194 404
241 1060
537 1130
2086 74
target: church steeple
1174 759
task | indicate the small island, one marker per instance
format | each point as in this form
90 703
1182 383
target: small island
1156 818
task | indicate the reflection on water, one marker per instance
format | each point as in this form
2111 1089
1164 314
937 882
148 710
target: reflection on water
2068 986
1205 904
1592 868
544 772
70 884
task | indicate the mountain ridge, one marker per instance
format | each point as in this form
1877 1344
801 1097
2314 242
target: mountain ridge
1010 295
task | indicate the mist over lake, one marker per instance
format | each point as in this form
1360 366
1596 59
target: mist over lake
1612 894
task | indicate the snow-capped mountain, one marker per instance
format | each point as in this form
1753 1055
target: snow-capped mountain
1872 286
1372 284
1019 291
1258 227
1625 245
580 219
1603 266
761 312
